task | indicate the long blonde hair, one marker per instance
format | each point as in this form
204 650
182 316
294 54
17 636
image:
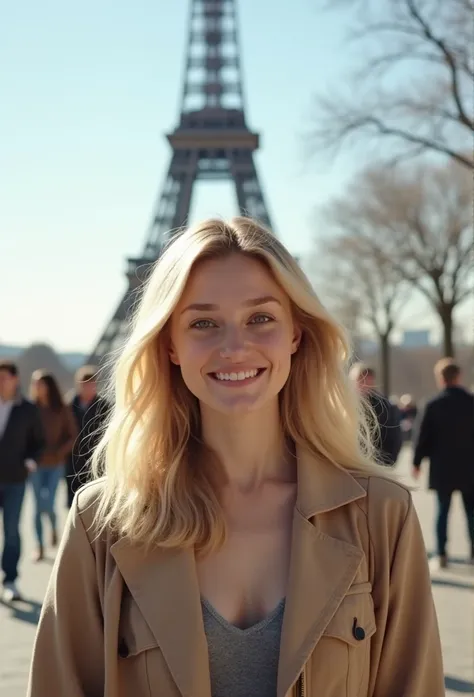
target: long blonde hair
154 492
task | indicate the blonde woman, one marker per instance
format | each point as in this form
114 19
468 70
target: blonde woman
242 542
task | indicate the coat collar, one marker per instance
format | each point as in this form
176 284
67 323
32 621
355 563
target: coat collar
164 583
322 485
16 401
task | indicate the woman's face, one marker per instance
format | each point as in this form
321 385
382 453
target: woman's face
232 334
40 391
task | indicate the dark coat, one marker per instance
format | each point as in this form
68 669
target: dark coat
445 435
89 425
22 440
389 438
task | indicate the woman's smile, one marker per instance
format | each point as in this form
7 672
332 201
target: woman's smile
238 378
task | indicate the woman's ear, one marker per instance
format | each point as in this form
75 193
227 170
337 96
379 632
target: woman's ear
173 354
297 336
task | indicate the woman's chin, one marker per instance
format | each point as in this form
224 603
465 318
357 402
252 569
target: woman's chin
234 404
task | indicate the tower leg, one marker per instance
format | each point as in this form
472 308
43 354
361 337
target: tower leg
171 211
171 214
250 198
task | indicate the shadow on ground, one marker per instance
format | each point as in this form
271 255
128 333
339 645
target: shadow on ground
452 583
457 685
24 610
463 561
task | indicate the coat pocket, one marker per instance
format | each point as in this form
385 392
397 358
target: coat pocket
342 656
354 620
142 669
135 636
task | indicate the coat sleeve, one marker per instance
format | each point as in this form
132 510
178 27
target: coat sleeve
68 654
390 432
406 659
70 433
423 437
36 439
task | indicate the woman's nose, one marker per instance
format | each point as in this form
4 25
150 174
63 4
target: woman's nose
233 345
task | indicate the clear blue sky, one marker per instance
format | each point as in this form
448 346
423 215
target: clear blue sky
87 91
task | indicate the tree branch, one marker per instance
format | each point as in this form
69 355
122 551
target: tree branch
421 116
415 139
455 87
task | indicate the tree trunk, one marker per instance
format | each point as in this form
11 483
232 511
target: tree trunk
446 317
384 343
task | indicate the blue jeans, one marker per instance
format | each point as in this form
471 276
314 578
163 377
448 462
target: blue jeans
11 496
45 483
444 504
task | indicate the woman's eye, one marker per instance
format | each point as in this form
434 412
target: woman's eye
261 319
202 324
209 324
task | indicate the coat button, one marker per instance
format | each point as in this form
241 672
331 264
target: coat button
123 651
358 632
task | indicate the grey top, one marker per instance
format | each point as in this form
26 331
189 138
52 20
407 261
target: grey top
243 662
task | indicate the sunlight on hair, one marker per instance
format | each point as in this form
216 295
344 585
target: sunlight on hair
155 492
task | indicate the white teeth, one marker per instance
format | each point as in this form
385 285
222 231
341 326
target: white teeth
237 376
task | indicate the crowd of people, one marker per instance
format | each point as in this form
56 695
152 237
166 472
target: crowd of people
43 440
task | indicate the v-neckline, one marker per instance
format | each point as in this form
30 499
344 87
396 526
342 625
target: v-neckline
246 630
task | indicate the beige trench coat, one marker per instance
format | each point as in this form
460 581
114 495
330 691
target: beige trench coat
359 616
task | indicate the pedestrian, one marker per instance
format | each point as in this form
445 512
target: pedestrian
445 436
21 445
60 433
408 413
242 542
90 412
387 432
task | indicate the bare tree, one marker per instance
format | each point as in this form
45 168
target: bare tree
344 304
412 84
420 222
369 286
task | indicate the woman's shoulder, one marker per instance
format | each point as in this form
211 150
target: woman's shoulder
387 498
87 502
385 484
90 494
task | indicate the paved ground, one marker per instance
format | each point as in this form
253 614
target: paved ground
453 591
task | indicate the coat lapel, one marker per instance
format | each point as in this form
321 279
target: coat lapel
12 416
164 585
322 568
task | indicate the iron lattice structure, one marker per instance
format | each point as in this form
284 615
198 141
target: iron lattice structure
212 141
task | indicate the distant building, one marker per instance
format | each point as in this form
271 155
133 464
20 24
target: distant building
10 352
416 338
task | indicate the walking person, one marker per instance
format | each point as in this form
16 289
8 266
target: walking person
21 445
445 436
60 433
408 413
388 433
242 542
90 411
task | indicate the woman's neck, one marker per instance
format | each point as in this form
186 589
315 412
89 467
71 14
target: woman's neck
250 447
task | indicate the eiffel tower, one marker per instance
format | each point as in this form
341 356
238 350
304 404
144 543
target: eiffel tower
212 141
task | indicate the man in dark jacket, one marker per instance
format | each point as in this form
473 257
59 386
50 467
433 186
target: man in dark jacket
388 439
21 444
445 435
90 411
